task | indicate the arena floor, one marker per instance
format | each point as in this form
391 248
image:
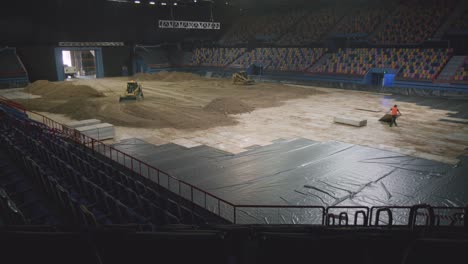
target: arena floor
191 111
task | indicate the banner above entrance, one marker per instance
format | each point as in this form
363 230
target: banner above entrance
189 24
91 44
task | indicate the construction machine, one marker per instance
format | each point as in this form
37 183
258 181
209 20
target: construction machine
241 78
133 92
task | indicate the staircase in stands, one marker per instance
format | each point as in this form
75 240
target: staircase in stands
450 68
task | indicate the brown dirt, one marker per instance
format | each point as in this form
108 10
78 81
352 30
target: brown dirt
186 104
166 76
61 90
228 106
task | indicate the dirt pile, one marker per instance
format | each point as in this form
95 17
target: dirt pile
195 104
228 106
167 76
61 90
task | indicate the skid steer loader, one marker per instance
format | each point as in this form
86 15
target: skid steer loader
241 78
134 92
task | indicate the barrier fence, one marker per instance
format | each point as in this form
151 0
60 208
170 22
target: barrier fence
411 216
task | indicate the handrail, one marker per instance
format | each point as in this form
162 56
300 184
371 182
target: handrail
137 166
358 210
12 104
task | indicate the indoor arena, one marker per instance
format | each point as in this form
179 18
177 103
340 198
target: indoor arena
234 131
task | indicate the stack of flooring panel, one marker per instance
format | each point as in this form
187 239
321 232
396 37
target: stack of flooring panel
100 131
94 128
350 121
82 123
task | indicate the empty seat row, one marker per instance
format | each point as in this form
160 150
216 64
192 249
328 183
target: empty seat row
414 21
411 63
281 59
218 57
40 174
118 203
129 190
266 26
20 201
70 173
363 19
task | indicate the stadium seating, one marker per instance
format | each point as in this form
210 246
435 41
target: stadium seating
217 57
20 201
120 218
421 63
10 66
91 190
412 63
362 20
281 59
12 71
414 21
461 74
312 27
264 27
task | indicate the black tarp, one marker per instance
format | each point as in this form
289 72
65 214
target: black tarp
305 172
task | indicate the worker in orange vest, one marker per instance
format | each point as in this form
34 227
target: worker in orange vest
395 112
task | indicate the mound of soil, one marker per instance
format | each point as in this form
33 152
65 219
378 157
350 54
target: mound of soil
179 105
167 76
61 90
228 106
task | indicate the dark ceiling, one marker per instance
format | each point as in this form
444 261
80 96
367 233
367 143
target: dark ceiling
50 21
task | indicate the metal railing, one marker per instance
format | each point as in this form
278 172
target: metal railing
206 200
418 215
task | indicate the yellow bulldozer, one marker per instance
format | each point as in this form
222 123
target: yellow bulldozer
242 78
134 92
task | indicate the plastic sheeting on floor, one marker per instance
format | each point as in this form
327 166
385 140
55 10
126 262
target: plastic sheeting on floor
305 172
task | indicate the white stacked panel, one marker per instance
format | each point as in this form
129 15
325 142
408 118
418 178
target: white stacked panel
351 121
83 123
99 131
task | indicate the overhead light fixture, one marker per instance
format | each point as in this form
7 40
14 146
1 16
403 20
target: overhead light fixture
163 4
136 1
152 3
194 1
175 3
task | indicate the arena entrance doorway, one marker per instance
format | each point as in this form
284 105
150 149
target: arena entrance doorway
79 62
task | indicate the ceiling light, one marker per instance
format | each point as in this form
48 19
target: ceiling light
163 3
136 1
152 3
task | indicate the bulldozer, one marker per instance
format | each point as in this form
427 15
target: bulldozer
133 92
242 78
